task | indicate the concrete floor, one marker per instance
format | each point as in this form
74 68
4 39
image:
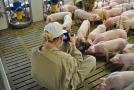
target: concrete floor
15 46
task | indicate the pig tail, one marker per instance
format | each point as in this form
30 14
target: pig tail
47 37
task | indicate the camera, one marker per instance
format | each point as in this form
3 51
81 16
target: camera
66 36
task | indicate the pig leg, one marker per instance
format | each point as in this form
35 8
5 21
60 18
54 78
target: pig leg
105 51
127 29
125 67
76 18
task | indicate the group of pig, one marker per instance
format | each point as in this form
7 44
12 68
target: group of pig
104 38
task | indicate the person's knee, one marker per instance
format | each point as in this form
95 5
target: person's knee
91 60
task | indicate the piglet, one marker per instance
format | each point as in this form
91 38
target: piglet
108 46
116 11
81 14
101 11
129 48
112 21
57 16
120 1
82 32
67 22
109 35
128 13
125 5
128 24
116 80
92 35
68 8
126 59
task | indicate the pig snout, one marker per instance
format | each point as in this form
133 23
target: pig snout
114 60
101 86
90 50
124 51
97 18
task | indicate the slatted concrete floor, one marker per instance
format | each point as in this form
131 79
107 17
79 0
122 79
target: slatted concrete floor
15 46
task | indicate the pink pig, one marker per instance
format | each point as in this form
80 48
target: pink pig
112 21
128 13
116 11
116 80
67 22
101 11
128 24
107 46
112 4
92 35
120 1
81 14
82 32
125 5
129 48
57 16
126 59
109 35
68 8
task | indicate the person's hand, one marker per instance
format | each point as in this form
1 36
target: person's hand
72 38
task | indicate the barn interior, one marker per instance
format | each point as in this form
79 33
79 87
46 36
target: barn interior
18 37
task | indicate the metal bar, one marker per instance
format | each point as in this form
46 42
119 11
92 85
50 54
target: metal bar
5 83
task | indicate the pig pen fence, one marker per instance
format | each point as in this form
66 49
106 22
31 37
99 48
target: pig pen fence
15 46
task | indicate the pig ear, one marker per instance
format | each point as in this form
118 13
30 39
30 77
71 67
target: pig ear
64 28
45 15
117 60
51 20
102 80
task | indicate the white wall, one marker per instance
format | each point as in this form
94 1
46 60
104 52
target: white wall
37 10
3 21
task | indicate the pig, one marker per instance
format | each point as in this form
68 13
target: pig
108 46
116 11
128 24
129 48
125 5
112 4
57 16
101 11
69 3
126 59
116 80
112 21
100 5
120 1
129 14
67 22
109 35
82 32
68 8
81 14
95 5
92 35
